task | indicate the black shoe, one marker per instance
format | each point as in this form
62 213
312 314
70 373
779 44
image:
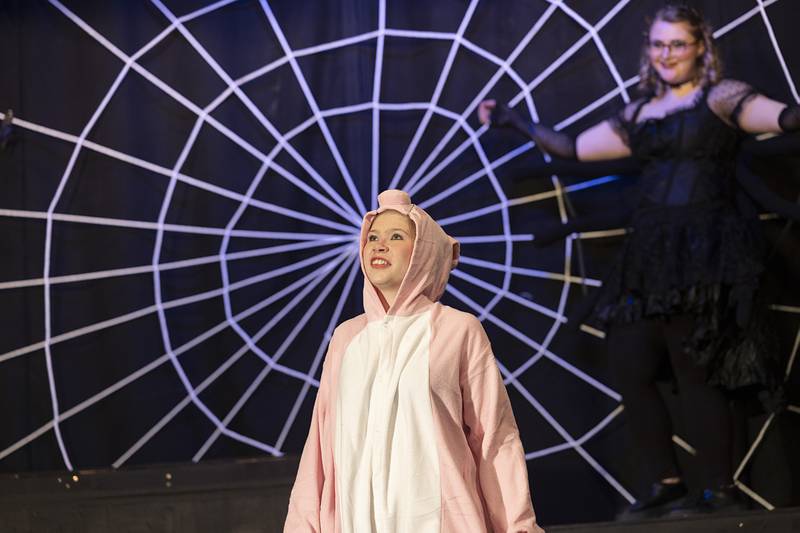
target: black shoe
721 500
654 504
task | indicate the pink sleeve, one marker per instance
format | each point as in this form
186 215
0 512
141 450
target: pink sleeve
494 439
305 501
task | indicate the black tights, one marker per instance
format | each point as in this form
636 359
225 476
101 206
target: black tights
636 352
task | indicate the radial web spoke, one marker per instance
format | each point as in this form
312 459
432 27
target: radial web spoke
376 113
281 349
256 112
194 182
437 92
535 345
178 97
318 356
312 102
179 302
504 69
306 285
494 289
529 272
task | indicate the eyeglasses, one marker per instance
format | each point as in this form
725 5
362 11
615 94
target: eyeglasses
677 46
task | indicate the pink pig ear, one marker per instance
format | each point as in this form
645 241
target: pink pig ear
394 197
456 252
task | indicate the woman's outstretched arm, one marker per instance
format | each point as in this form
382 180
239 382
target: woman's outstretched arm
763 115
599 142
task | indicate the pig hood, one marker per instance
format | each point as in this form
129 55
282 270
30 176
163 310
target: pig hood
435 255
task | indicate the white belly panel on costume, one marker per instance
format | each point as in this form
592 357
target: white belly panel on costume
387 466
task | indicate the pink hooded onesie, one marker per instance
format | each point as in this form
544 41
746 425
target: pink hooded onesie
412 429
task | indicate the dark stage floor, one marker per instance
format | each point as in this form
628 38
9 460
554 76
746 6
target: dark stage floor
238 497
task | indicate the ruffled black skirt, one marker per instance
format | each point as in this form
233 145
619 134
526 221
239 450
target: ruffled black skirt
704 262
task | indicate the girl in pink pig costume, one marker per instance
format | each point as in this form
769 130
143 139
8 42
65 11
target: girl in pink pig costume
412 430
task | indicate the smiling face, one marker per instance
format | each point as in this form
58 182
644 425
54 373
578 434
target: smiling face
387 252
674 51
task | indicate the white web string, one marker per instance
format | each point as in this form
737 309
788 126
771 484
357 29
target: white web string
312 103
47 255
529 272
256 112
572 50
504 68
581 441
295 331
786 308
222 428
562 302
546 311
765 427
179 302
171 265
792 356
541 351
157 169
484 239
226 283
598 42
175 228
557 316
741 19
437 92
542 411
509 247
376 114
326 337
160 312
185 348
233 87
771 32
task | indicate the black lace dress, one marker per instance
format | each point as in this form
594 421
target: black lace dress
692 250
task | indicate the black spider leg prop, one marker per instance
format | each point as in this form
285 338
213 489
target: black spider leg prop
782 235
755 187
578 242
6 129
601 220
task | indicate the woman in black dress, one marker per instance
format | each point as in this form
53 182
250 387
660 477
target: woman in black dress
684 285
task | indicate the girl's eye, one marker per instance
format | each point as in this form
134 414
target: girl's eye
397 237
372 238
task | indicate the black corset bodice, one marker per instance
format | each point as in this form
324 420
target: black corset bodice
688 157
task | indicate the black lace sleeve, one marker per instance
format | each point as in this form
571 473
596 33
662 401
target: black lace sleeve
727 98
624 119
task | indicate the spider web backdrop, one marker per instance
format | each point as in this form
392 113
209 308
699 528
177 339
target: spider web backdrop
185 182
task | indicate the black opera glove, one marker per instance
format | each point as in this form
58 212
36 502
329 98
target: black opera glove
503 116
554 143
789 119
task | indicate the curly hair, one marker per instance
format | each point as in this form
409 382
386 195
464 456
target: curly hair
709 66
